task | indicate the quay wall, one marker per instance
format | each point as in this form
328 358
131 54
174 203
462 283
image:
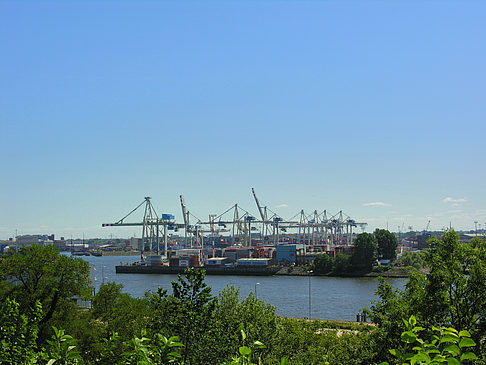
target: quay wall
251 271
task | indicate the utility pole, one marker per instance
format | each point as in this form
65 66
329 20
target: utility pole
310 306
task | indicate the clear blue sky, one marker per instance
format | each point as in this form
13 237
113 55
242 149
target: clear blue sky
375 108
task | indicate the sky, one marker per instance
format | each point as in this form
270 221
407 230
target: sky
373 108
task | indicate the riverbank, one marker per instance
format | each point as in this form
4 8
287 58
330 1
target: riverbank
396 272
120 253
400 272
210 270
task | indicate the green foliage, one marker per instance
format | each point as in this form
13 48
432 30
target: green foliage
387 314
145 351
208 325
314 342
112 350
364 254
18 333
453 294
62 349
455 290
122 314
230 314
90 333
416 260
341 263
40 273
381 269
244 356
188 313
387 244
322 264
447 346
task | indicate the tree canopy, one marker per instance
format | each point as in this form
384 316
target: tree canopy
364 252
452 294
41 274
322 264
387 244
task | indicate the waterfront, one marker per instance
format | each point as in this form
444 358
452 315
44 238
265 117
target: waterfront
331 298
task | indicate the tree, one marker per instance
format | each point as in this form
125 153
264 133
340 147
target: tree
341 263
322 264
414 259
452 294
447 346
455 291
121 313
18 333
254 316
387 244
40 273
364 254
187 313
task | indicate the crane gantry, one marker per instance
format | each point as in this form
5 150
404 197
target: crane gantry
150 224
311 229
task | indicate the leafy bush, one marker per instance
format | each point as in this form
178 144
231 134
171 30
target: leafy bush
381 269
322 264
447 346
18 333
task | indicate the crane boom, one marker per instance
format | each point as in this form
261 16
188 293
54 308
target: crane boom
258 205
184 214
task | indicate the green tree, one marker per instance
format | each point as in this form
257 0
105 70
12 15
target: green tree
447 346
147 351
18 333
364 254
455 290
187 313
453 293
341 263
257 318
387 244
62 349
387 314
317 342
40 273
416 259
122 314
322 264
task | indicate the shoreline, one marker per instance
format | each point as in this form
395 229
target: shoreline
253 271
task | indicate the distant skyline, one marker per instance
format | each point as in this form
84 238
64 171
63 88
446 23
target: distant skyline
373 108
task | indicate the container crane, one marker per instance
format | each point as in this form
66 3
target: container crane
150 225
262 214
185 216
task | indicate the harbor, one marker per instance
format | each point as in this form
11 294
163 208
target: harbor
235 242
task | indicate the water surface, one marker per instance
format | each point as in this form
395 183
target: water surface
331 298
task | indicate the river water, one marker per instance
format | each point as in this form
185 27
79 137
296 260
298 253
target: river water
330 298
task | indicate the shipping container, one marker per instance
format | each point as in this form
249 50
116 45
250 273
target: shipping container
253 262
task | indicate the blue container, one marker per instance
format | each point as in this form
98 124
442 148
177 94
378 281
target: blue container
167 216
